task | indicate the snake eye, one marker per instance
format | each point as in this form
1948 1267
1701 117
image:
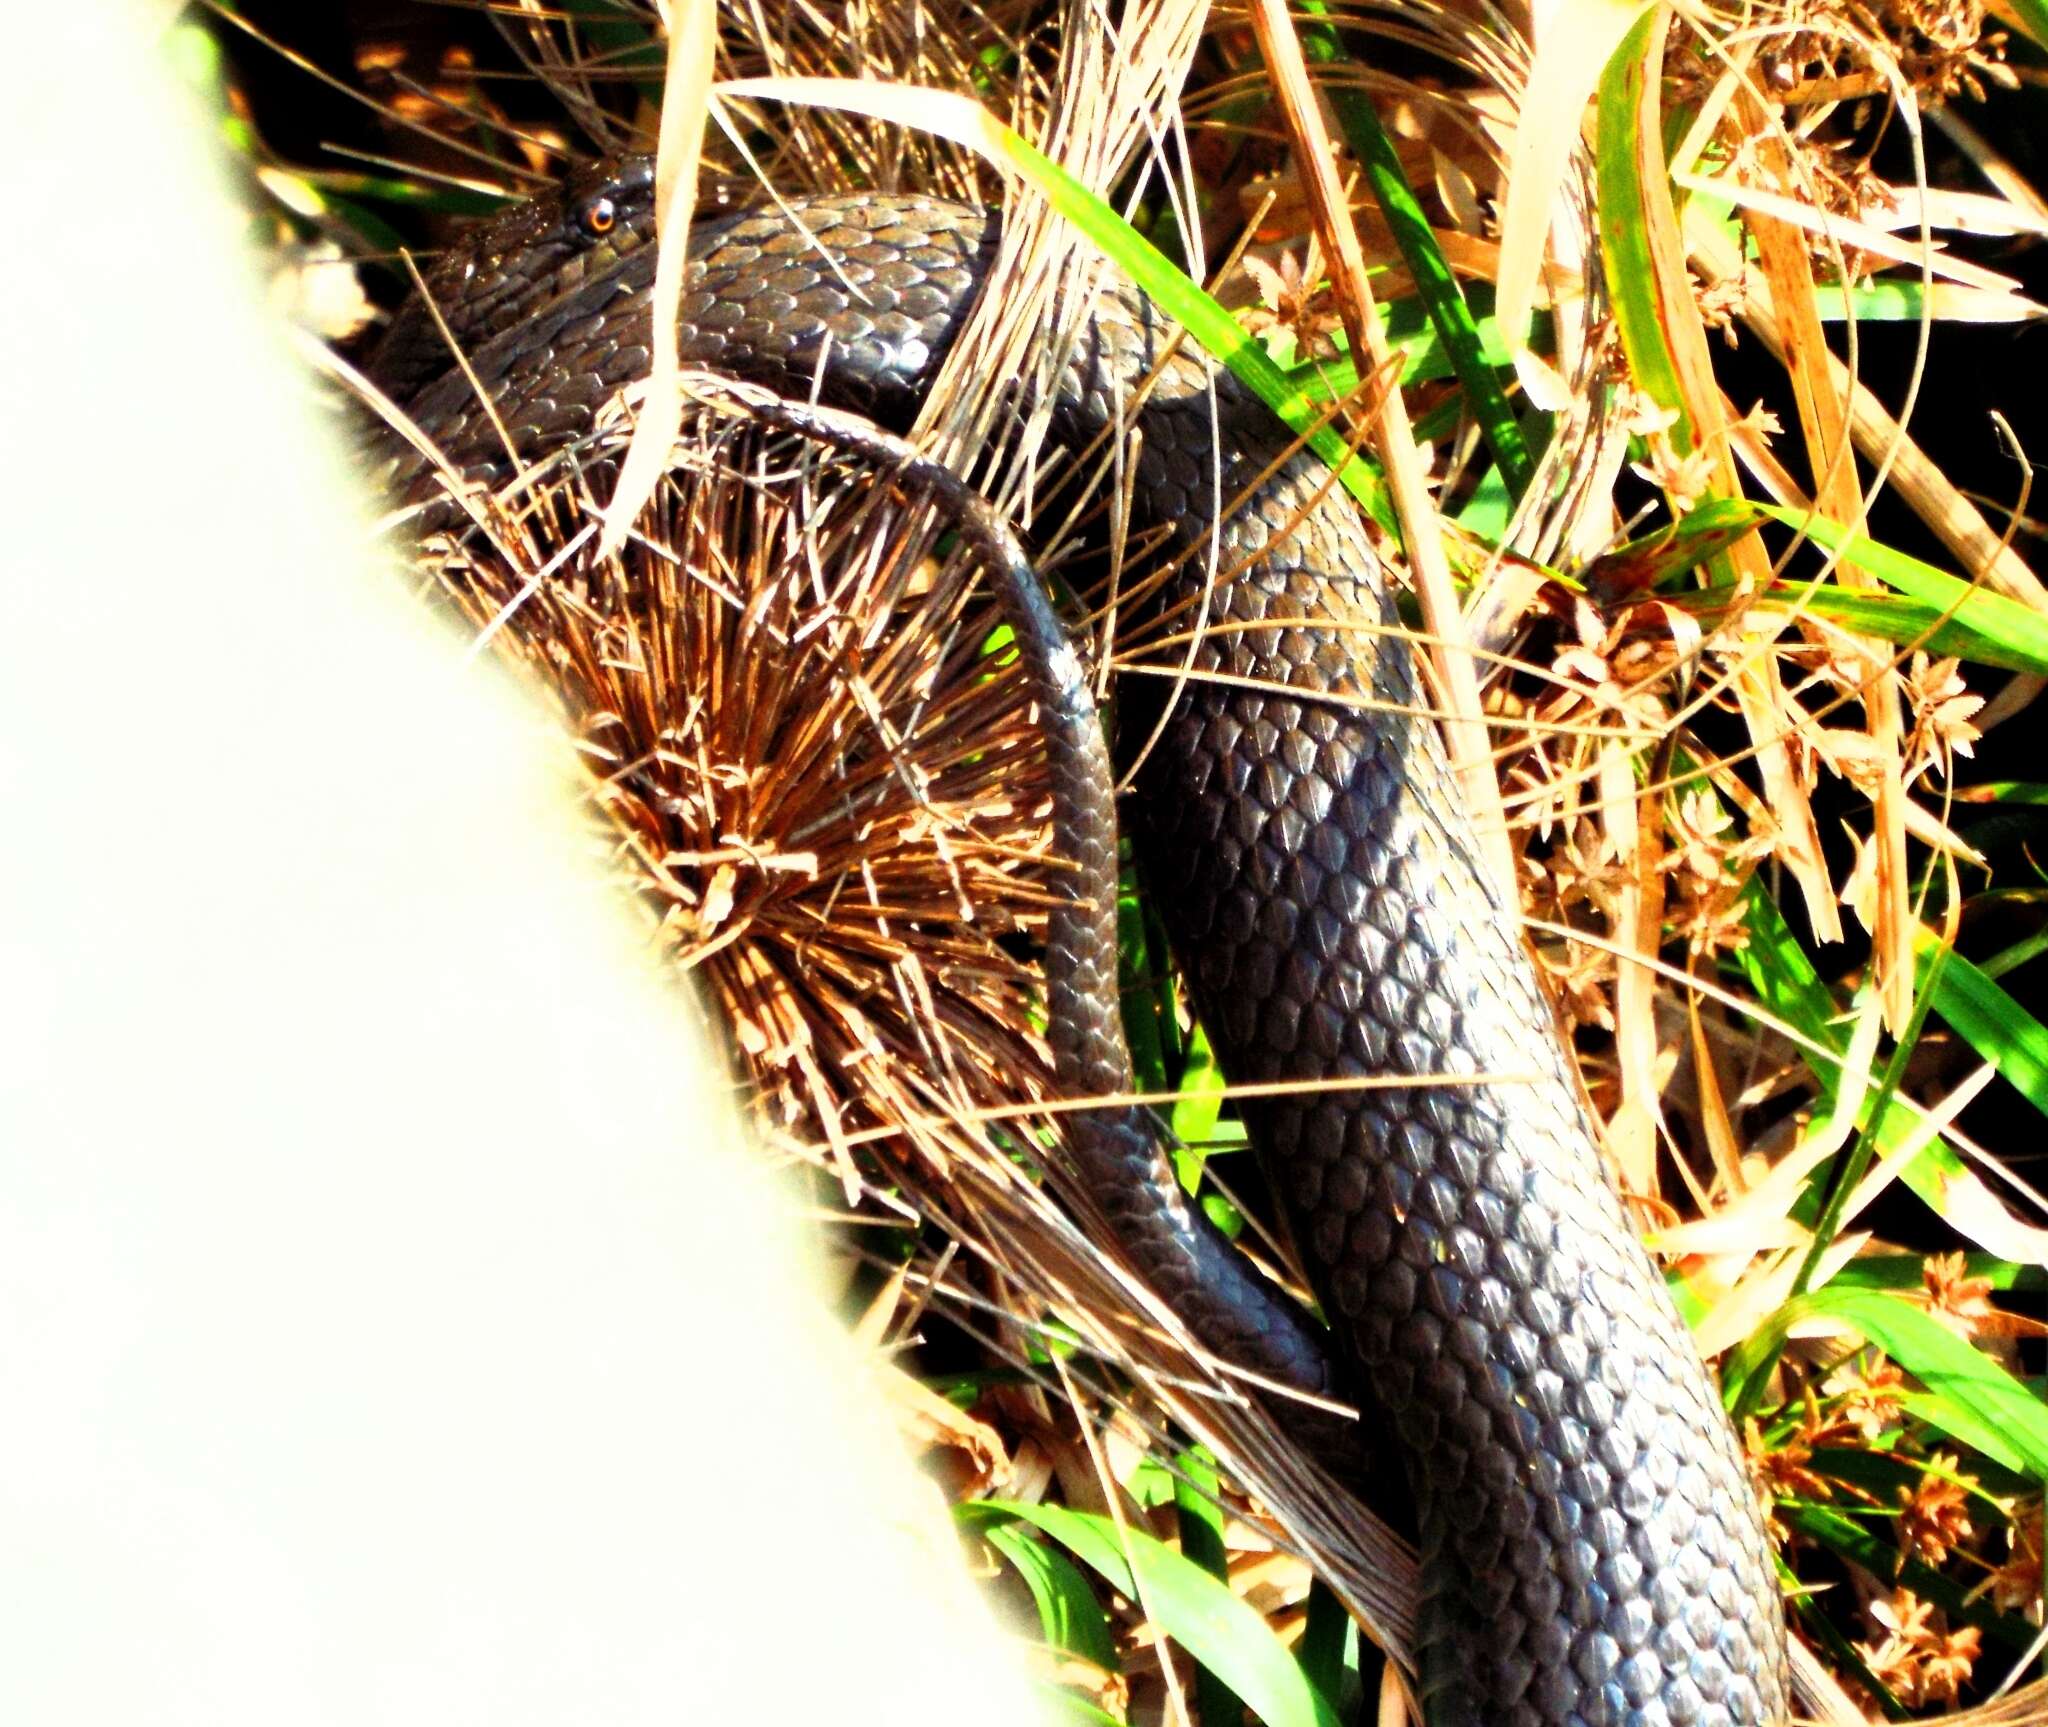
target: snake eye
597 216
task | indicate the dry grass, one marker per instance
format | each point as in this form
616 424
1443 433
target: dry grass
813 768
849 853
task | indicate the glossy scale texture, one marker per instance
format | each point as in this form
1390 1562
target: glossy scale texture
1593 1550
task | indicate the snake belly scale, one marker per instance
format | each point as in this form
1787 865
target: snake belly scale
1592 1548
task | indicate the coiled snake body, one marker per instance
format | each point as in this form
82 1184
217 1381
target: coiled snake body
1592 1548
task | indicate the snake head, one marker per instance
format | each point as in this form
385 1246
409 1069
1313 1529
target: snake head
510 266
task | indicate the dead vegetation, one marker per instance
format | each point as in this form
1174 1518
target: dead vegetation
810 762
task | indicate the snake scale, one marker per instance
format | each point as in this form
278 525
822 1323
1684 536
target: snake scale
1593 1551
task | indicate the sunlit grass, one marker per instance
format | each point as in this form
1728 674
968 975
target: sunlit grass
850 854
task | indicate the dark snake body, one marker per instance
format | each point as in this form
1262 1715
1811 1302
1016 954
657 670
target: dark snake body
1592 1548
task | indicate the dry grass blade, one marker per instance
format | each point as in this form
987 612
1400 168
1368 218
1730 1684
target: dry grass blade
1879 437
1822 423
1421 532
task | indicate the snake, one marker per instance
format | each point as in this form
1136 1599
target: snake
1593 1550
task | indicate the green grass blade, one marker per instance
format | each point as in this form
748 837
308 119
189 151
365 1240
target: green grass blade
1968 1394
1848 1171
1630 270
1424 359
1329 1644
1219 1630
1470 358
2018 954
1787 984
2011 792
1198 1118
1145 988
1784 981
1069 1616
1912 623
1435 285
2013 628
1896 301
1068 1701
1654 559
1905 1271
1961 1425
1931 610
1200 1515
1186 303
1993 1024
2033 19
